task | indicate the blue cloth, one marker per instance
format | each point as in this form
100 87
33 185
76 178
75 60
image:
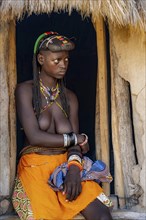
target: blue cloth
96 171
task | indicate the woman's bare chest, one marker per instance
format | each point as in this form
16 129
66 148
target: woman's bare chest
54 120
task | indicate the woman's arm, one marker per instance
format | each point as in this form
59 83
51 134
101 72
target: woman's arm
72 183
73 117
29 122
73 102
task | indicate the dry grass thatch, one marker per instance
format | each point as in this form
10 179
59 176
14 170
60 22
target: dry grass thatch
119 12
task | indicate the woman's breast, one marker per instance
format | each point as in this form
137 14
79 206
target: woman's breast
45 121
53 120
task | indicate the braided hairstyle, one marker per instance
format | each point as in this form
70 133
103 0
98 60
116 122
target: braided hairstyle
54 42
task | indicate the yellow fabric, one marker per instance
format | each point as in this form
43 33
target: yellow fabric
34 171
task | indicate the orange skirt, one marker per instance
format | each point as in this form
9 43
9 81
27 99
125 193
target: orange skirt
33 198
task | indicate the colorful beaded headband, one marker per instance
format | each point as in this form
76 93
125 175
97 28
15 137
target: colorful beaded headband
54 42
40 38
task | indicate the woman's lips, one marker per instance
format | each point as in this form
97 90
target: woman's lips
62 71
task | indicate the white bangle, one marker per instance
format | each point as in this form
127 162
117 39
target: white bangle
65 136
74 157
68 140
76 140
85 141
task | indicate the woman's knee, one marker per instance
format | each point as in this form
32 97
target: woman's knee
106 216
97 210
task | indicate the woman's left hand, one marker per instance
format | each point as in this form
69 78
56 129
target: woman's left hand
83 143
84 148
72 183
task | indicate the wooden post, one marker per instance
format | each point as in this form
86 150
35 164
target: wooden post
4 112
118 171
97 123
11 86
103 106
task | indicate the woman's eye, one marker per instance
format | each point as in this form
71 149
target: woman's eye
56 61
66 59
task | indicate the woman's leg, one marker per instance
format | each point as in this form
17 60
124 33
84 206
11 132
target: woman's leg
96 211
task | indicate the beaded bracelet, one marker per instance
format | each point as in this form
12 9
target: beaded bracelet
85 141
74 157
73 162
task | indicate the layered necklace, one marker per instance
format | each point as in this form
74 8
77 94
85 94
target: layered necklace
50 95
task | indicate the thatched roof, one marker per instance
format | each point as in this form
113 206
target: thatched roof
121 12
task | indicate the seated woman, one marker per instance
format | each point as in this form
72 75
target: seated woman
48 113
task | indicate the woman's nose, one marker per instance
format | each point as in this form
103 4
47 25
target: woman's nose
63 64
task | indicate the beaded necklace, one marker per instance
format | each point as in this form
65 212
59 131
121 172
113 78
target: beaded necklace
50 95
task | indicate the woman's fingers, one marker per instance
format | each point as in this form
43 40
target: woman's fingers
72 190
72 183
85 148
68 193
78 190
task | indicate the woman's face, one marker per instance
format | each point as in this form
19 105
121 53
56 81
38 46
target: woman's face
53 64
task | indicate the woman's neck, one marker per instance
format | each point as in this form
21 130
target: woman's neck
48 81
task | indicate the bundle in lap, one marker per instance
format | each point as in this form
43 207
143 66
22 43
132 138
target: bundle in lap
96 171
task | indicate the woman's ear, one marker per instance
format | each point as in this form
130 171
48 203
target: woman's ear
40 59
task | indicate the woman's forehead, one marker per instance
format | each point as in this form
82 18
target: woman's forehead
55 54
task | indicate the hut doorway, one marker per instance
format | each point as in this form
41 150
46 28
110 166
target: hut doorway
82 73
124 69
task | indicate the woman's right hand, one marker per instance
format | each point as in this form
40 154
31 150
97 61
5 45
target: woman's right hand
72 183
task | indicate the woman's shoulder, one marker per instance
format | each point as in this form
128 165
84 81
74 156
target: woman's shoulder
71 96
24 88
24 85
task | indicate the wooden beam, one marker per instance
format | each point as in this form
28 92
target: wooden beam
102 81
4 111
118 171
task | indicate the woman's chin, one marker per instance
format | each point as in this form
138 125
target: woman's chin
61 75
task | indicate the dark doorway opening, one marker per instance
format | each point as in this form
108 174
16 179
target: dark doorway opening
82 72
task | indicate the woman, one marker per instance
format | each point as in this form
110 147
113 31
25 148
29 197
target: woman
49 116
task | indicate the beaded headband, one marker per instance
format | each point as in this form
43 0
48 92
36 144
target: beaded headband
54 42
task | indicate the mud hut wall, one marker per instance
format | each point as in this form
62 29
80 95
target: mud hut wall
4 105
7 107
129 47
12 80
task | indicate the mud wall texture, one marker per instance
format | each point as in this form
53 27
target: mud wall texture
128 62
